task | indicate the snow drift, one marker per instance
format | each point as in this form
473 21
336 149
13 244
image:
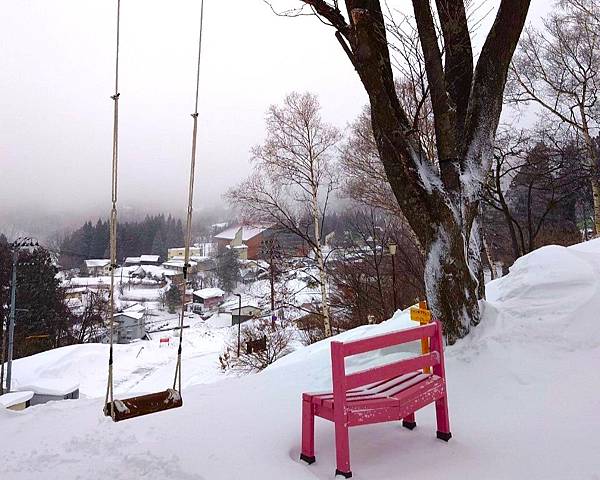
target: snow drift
524 395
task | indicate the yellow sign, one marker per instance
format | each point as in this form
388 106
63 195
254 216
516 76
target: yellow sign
423 316
420 315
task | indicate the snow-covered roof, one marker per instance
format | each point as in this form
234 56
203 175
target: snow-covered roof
97 263
56 386
195 258
132 260
135 315
14 398
248 232
207 293
137 307
139 271
76 289
149 258
233 305
192 249
179 263
89 281
171 273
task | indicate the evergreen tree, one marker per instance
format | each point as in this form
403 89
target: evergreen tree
228 270
43 319
99 242
173 298
159 246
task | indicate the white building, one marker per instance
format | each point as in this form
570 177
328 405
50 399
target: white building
97 267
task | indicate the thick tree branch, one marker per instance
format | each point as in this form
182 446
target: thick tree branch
443 114
458 56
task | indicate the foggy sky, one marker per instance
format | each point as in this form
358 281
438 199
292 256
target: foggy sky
57 61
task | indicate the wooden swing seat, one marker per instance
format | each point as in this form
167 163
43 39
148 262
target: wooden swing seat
143 405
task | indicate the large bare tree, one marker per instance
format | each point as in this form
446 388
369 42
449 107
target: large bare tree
439 197
293 178
557 67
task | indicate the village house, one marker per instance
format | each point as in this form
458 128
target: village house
250 241
130 325
178 253
90 283
142 260
97 267
208 298
177 265
248 309
246 240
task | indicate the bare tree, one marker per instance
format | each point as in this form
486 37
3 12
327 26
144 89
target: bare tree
293 178
90 321
438 196
363 273
557 67
534 186
262 343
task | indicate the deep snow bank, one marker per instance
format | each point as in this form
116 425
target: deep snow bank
139 367
524 393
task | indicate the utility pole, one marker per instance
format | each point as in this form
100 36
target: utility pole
11 318
272 280
2 358
239 321
392 248
17 245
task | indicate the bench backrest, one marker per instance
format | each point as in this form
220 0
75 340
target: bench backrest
340 350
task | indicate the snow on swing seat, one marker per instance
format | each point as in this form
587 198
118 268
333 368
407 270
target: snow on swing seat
143 405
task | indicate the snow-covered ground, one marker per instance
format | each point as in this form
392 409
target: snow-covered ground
141 366
524 395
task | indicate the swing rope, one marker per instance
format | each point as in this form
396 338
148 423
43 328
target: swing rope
188 230
113 217
136 406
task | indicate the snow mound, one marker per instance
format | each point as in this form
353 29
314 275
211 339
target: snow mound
140 367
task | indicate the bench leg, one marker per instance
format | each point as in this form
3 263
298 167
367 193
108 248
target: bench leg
443 421
308 432
342 449
409 421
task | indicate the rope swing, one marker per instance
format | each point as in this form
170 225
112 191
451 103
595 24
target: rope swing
170 398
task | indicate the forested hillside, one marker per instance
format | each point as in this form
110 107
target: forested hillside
153 235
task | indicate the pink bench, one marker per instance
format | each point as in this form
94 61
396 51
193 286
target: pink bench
386 393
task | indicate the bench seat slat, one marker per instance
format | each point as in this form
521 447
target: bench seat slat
408 402
375 388
389 394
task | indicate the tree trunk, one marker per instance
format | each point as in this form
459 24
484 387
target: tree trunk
596 194
593 166
321 266
439 206
485 253
450 286
475 258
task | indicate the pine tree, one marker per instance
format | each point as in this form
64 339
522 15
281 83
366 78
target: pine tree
158 246
228 270
173 298
43 313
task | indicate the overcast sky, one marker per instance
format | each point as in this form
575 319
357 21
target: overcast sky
57 60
